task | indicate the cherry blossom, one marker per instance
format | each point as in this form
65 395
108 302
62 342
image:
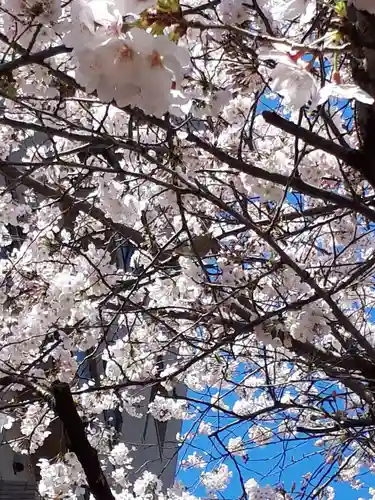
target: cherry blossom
288 10
217 479
344 92
236 446
45 11
64 478
186 239
133 67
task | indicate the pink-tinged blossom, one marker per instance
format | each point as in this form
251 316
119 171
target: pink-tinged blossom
132 66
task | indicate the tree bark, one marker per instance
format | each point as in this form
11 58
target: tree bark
78 443
361 34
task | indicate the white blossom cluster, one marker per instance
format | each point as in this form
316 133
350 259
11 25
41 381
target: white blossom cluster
250 279
64 478
124 63
217 479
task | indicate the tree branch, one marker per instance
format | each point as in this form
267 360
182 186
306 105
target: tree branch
284 180
345 424
78 443
350 156
75 205
35 58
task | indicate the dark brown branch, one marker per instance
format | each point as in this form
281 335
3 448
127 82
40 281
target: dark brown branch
360 30
11 379
345 424
58 132
284 180
35 58
260 173
350 156
60 399
78 443
75 205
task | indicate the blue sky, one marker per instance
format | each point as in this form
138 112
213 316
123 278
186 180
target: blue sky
278 463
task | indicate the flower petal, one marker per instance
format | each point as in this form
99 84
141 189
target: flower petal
344 91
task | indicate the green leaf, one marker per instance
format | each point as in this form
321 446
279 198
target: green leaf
157 29
340 8
218 358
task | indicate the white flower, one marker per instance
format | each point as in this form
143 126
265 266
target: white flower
195 461
205 428
134 68
232 11
217 479
135 6
260 435
6 421
287 10
62 479
243 407
236 446
290 9
92 23
120 456
296 85
147 486
47 10
34 426
344 91
164 409
256 492
291 78
120 476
